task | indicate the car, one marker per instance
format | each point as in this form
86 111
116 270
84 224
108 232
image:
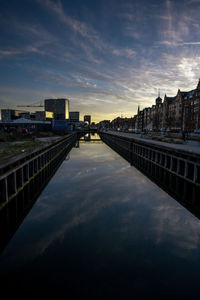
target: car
24 130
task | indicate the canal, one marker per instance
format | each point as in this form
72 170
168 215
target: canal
101 229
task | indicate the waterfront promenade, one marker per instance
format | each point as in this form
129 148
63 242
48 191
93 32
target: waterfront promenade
173 146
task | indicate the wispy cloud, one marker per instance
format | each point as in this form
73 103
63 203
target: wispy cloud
127 52
178 44
178 27
192 1
9 53
192 43
82 28
35 39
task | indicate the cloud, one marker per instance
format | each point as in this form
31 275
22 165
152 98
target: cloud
9 53
35 39
169 43
189 67
192 2
82 28
127 52
178 44
192 43
179 27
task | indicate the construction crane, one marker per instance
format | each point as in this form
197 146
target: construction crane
33 104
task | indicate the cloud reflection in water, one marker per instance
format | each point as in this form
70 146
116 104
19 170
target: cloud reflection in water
98 189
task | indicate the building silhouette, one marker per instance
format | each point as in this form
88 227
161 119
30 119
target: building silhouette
74 116
59 108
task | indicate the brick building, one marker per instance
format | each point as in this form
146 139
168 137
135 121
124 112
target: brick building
181 112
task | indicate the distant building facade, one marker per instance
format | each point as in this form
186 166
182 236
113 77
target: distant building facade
42 116
59 108
181 112
8 115
123 123
178 113
74 116
31 126
87 118
104 124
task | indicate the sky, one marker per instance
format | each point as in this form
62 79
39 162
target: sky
106 56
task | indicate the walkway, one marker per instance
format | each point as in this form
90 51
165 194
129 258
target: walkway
177 147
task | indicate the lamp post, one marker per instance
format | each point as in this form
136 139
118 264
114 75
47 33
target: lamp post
183 125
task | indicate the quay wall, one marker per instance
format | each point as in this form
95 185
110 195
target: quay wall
14 176
13 213
145 154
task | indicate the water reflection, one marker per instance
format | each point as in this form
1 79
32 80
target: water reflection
182 190
14 212
101 229
90 137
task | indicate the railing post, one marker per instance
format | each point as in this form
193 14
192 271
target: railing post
5 189
28 175
171 163
186 169
165 163
195 173
178 166
22 176
15 182
160 158
131 152
149 154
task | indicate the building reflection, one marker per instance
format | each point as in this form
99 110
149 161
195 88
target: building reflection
90 137
87 137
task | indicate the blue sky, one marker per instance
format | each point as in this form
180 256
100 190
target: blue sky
105 56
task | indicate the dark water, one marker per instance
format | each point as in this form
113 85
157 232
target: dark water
102 230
